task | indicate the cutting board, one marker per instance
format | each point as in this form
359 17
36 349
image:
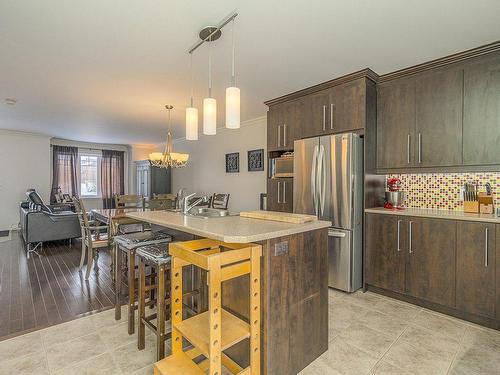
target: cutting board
279 216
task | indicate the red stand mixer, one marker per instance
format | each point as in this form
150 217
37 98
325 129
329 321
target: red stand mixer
394 197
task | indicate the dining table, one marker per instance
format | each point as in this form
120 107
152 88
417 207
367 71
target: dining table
114 218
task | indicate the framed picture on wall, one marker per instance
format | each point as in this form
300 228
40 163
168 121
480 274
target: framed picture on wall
233 162
256 160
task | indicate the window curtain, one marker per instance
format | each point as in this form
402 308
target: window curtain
64 162
112 176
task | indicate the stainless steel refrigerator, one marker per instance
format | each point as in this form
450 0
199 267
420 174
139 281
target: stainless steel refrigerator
328 182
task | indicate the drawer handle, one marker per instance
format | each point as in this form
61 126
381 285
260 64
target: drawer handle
399 233
486 248
410 235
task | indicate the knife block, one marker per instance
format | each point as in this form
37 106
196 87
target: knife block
471 207
486 203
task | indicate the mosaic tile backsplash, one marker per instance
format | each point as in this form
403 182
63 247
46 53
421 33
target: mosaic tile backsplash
443 190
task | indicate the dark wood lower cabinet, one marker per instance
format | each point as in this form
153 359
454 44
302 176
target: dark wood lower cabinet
431 270
280 194
450 266
476 263
386 255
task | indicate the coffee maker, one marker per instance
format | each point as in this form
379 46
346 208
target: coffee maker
394 196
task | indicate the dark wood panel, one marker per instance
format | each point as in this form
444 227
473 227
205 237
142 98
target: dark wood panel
320 102
272 195
476 262
396 123
497 274
386 258
482 111
431 269
438 139
274 120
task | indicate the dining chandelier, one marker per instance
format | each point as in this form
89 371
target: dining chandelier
168 159
210 34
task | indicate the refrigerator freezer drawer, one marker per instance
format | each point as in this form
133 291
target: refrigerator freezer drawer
340 259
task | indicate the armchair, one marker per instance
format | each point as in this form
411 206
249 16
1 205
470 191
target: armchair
41 223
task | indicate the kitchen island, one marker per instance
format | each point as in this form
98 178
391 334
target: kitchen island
294 284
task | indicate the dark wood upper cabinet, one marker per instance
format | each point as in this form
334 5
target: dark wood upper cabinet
497 274
396 123
347 109
431 270
482 111
438 138
476 263
319 104
274 122
386 251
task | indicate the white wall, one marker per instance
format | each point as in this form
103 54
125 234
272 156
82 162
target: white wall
24 163
206 172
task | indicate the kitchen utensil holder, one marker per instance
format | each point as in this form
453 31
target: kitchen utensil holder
471 206
486 204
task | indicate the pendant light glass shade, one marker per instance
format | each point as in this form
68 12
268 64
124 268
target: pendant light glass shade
209 116
192 124
232 108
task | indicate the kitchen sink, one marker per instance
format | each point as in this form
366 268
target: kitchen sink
207 213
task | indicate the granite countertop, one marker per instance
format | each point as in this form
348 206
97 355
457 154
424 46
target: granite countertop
233 229
438 214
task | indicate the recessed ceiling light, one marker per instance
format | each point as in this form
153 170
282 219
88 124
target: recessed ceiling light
10 101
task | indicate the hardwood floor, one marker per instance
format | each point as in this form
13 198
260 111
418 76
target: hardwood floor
49 289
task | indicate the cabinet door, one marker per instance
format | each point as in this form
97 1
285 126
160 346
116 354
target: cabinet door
482 111
430 274
273 195
347 107
386 249
274 122
438 138
287 194
395 123
476 262
319 102
292 122
497 274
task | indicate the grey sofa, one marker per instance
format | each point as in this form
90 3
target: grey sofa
41 223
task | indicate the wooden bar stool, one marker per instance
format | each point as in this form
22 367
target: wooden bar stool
216 330
127 245
158 258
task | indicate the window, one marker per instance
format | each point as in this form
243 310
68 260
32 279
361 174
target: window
89 176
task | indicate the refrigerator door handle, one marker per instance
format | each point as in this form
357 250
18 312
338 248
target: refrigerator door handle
313 179
322 178
333 233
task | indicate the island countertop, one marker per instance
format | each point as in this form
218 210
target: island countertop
232 229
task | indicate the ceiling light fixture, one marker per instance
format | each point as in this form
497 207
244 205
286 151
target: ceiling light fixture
232 95
209 104
191 112
211 34
168 159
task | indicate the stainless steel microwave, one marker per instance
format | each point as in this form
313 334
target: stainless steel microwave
282 166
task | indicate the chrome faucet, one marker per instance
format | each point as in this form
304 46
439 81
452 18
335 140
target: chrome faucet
187 207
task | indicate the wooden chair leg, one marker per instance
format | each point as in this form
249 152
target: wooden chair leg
141 334
255 311
84 252
176 304
215 316
131 291
90 261
160 315
118 281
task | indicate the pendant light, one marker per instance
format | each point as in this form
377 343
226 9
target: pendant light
209 104
191 113
232 95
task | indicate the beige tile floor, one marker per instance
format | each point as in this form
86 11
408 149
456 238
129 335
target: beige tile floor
371 334
368 334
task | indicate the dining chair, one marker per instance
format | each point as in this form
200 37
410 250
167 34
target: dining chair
129 201
92 237
160 204
220 201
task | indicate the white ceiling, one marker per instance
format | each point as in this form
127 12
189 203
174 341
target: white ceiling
101 70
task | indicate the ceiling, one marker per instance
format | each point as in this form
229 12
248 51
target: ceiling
101 71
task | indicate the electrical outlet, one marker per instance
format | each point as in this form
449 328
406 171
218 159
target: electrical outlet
281 248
